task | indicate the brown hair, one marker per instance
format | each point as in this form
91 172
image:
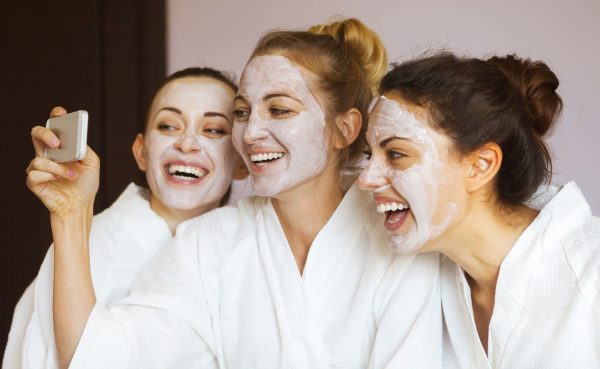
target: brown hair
506 100
348 60
192 72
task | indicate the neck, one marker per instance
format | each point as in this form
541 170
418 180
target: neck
482 241
173 217
480 245
304 210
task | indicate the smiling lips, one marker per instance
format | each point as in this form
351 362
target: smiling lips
262 159
396 213
185 173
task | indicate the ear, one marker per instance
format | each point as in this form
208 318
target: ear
484 163
240 170
348 125
139 151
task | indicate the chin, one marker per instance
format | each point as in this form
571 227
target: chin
407 243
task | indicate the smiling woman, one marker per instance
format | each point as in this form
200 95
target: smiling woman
300 276
189 160
187 145
457 156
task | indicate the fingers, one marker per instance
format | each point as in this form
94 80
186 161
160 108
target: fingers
57 111
42 137
47 165
35 177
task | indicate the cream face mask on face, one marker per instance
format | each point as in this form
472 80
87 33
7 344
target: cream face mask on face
408 196
280 130
189 153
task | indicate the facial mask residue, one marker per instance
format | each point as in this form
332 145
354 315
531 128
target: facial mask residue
302 137
419 185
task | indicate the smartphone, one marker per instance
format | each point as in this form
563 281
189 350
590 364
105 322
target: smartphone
71 130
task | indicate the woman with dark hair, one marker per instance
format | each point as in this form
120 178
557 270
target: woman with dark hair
457 153
298 276
189 160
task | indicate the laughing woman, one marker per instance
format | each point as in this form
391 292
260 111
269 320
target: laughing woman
189 160
299 276
457 150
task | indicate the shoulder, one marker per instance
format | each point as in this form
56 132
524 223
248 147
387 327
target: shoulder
582 254
222 227
578 239
133 199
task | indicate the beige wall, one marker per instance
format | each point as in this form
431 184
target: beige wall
564 34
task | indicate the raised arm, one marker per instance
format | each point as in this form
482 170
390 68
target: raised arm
68 191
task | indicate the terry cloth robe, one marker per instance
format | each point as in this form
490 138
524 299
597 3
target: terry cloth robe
122 239
228 294
547 305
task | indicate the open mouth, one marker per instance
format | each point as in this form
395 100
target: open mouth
263 159
396 214
185 172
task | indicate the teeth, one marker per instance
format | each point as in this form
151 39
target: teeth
266 156
178 169
391 206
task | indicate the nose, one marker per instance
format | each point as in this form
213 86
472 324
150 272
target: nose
255 130
188 143
372 177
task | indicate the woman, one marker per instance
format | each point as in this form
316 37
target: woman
457 150
297 277
189 160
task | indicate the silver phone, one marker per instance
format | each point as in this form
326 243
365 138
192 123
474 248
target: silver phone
71 130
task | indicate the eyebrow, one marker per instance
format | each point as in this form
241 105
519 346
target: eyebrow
206 114
280 94
383 143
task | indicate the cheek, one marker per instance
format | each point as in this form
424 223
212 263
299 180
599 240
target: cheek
237 137
305 133
156 145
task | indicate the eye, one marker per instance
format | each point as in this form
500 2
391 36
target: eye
280 112
395 155
215 131
166 127
367 153
241 114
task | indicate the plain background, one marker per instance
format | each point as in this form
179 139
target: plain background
564 34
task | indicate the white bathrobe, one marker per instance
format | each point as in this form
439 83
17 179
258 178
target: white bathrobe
547 306
123 238
228 294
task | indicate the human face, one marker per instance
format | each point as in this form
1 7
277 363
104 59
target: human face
413 177
279 128
187 151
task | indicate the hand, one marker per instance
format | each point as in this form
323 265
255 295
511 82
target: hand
63 188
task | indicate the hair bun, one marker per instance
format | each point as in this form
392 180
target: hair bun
537 85
364 45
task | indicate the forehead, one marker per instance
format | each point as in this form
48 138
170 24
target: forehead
202 92
272 72
390 117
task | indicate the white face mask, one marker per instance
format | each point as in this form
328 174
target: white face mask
188 150
279 127
406 185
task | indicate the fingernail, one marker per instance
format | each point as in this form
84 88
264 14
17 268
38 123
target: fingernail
54 142
71 174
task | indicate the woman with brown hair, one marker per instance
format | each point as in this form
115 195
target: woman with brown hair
189 161
298 276
457 154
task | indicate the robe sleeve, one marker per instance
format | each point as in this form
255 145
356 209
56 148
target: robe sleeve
408 314
163 323
16 336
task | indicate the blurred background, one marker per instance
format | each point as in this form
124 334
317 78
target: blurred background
108 56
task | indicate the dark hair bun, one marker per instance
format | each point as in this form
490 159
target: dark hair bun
537 85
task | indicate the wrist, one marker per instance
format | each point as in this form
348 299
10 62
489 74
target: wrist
80 217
